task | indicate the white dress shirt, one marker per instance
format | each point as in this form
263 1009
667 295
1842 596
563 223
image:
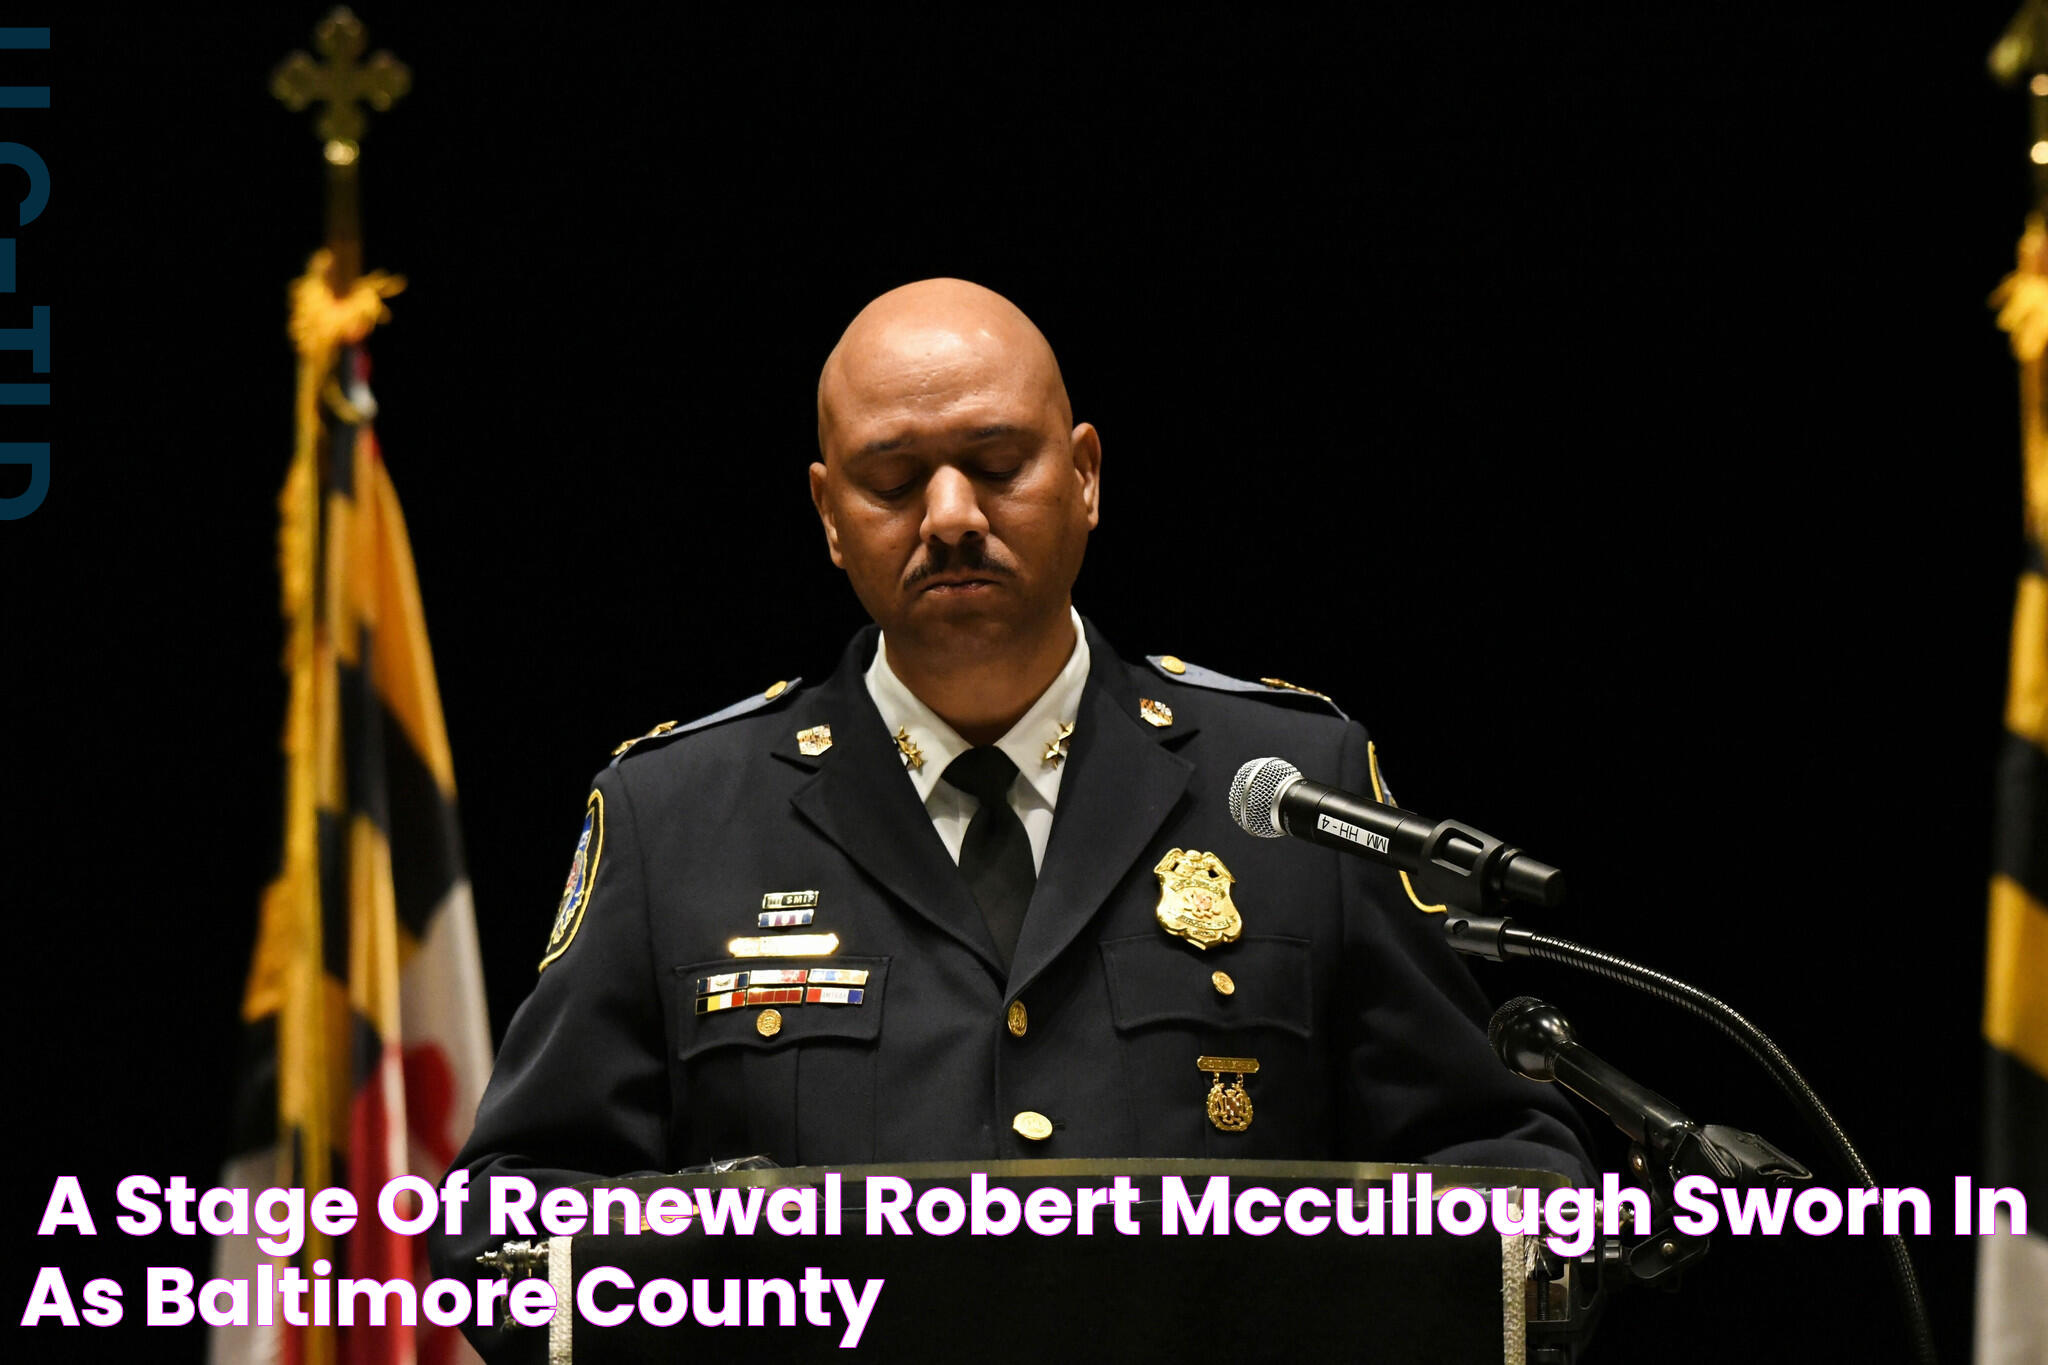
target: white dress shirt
1037 788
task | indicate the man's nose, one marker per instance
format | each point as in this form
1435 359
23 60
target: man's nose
952 509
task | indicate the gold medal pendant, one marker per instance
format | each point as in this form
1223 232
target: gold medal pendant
1194 898
1230 1108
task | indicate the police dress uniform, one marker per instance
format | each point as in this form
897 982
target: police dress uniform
642 1049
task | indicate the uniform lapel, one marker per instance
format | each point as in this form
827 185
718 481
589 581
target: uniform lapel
1119 788
859 799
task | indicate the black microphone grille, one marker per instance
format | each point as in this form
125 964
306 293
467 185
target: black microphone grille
1506 1015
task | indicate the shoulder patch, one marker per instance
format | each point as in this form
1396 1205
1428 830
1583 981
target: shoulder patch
670 729
1180 671
582 876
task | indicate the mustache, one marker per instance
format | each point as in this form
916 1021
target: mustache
968 556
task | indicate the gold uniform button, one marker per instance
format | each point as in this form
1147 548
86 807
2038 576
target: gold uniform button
775 690
1032 1125
1222 982
769 1023
1018 1020
1172 664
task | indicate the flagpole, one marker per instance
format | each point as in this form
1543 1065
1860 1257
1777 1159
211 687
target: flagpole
332 307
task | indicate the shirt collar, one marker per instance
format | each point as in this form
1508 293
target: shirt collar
939 743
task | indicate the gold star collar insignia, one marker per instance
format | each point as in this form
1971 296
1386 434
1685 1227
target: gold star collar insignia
913 757
1057 749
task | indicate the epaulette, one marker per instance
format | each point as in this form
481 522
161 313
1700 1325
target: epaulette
1178 669
669 729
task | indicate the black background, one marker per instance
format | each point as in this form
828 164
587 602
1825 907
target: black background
1603 407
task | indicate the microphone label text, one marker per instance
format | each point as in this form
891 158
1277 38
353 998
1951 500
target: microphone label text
1364 838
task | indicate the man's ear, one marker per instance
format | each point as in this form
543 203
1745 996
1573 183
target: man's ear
1088 465
825 513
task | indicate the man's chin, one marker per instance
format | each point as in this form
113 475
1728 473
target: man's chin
982 610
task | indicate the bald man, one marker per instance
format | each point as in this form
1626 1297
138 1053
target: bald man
978 895
957 494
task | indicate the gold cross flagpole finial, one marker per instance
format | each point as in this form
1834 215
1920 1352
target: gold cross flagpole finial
341 85
2020 57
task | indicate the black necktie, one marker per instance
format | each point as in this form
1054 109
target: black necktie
996 855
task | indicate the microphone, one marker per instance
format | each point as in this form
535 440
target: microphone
1451 863
1535 1041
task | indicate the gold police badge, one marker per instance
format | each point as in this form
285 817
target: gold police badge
1194 898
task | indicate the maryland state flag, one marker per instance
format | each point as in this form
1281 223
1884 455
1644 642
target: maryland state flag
367 1037
2012 1271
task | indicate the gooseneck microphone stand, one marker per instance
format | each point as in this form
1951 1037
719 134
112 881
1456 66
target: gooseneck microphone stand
1470 873
1470 929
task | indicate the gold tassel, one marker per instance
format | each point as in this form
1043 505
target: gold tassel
320 325
2022 302
321 321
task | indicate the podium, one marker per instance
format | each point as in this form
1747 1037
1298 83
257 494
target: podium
1124 1290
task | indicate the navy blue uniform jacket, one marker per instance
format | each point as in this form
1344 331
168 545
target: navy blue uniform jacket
1367 1028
